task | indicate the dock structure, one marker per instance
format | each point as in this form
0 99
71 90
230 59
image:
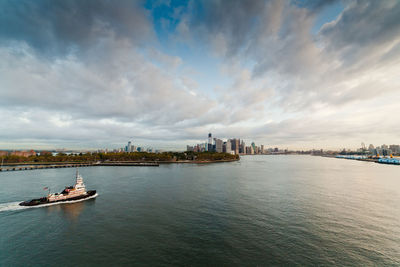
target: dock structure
137 164
26 167
393 161
45 166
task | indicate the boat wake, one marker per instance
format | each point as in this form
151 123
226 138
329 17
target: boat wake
11 206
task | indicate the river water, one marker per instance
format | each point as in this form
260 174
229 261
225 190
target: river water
262 210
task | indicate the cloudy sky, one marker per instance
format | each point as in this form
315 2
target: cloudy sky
295 74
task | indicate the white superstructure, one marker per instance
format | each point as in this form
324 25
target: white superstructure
77 190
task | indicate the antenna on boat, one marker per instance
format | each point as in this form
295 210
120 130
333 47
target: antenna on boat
47 188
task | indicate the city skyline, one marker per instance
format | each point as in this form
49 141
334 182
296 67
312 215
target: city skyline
290 74
234 146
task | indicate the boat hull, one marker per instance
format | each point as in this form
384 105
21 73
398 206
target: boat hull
44 200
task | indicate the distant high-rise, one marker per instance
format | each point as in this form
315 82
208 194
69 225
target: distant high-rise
395 148
253 145
228 147
128 148
210 143
248 150
218 145
371 148
235 145
242 148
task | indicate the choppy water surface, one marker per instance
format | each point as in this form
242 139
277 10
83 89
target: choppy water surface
281 210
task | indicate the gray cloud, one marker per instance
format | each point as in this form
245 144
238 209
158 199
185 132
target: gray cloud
276 36
61 27
364 25
132 90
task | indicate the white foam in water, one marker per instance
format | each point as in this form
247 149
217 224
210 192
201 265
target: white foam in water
15 205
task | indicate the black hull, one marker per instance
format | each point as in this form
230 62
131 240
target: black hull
43 200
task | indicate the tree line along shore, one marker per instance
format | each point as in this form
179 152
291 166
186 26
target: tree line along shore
91 157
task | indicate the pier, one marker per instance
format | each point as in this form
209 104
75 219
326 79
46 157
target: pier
44 166
391 161
32 166
137 164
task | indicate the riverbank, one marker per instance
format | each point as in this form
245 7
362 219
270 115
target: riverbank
122 157
24 166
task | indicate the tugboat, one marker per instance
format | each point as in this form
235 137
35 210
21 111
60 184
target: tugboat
70 193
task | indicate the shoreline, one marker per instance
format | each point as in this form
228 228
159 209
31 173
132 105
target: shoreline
116 163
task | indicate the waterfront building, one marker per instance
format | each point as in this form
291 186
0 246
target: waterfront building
228 146
128 147
242 148
218 145
203 147
23 153
235 145
253 145
384 147
262 149
210 143
371 148
395 149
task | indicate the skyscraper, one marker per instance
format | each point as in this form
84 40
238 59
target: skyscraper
235 145
128 148
228 146
210 142
218 145
242 148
